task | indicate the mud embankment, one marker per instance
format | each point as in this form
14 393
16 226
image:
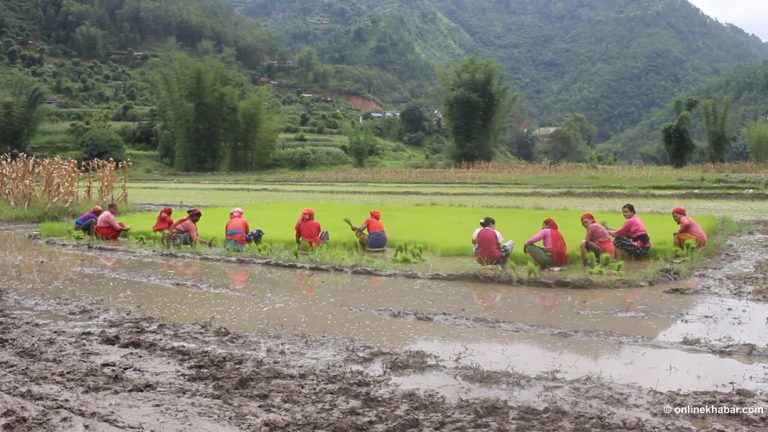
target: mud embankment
495 277
67 365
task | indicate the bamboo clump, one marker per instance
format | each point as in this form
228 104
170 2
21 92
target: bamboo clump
24 179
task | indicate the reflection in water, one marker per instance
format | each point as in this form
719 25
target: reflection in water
239 277
487 296
548 301
307 283
107 260
607 332
593 300
630 297
187 269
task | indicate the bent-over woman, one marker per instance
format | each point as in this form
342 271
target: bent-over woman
184 231
554 252
689 229
376 237
597 241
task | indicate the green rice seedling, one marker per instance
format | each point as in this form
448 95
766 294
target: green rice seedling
441 230
606 266
55 230
533 270
591 260
406 253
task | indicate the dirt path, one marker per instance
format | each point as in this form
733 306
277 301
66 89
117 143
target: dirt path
70 364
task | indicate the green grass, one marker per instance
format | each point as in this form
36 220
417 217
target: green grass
38 211
441 230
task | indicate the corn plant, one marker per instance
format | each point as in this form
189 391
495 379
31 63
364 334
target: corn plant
56 180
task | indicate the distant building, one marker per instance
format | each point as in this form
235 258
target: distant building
280 63
544 132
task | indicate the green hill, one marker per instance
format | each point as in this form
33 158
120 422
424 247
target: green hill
747 85
613 60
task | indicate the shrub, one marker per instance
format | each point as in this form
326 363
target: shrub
101 143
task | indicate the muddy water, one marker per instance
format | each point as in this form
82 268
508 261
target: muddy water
644 336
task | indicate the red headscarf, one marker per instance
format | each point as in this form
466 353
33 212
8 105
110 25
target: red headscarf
559 250
680 211
164 220
306 214
190 213
376 214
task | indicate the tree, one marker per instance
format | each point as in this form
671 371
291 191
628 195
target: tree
198 107
578 124
560 145
473 98
522 143
569 141
256 135
21 112
102 143
756 134
306 63
414 120
716 122
89 41
361 142
677 136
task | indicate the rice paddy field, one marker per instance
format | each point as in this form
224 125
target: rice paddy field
442 230
441 216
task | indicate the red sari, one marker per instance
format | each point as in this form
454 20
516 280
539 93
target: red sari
559 250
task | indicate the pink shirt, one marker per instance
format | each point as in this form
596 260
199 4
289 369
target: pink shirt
187 226
108 219
545 234
632 228
597 233
687 225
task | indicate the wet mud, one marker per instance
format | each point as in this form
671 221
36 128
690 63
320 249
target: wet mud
493 276
110 339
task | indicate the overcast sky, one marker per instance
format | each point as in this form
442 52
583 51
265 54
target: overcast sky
750 15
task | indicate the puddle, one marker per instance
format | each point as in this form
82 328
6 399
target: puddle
625 336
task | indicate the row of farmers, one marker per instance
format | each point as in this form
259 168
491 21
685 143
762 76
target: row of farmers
547 247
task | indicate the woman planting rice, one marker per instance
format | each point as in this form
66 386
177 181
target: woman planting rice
237 229
107 227
308 230
87 221
184 231
554 253
164 221
490 249
597 241
632 237
689 230
376 237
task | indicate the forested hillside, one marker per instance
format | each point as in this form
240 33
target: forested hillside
93 29
748 86
612 60
148 76
387 49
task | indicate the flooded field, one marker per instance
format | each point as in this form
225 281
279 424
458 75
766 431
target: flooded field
167 343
